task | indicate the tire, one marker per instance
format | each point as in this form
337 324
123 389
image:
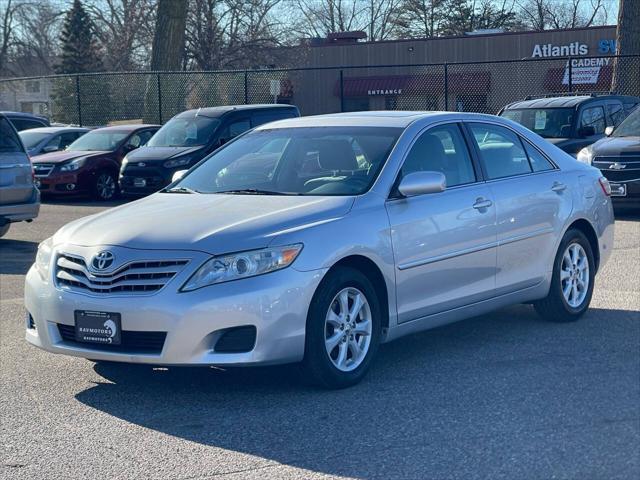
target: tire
557 307
105 186
4 229
320 365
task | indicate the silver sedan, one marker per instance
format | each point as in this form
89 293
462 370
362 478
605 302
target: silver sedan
315 239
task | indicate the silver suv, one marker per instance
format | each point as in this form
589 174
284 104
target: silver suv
19 198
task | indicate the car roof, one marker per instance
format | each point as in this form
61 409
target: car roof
125 128
562 102
53 130
23 115
380 118
215 112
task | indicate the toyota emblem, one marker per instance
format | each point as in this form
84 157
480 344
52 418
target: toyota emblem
102 260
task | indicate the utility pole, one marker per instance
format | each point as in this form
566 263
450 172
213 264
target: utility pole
626 74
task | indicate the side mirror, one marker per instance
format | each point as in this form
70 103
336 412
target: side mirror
419 183
609 130
50 149
178 175
588 131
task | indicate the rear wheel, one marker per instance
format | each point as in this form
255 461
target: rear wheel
343 329
4 229
572 282
105 186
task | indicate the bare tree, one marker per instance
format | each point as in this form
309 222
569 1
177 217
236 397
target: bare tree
169 39
383 17
37 35
626 77
125 30
7 17
545 14
421 18
318 18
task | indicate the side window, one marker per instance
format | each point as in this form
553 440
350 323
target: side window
67 139
234 129
441 149
135 140
629 107
25 124
539 163
9 142
500 150
145 136
615 113
54 144
593 117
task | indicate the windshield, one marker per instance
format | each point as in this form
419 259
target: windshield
32 139
99 141
546 122
630 127
296 161
185 132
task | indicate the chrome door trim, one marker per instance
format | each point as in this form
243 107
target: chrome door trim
447 256
525 236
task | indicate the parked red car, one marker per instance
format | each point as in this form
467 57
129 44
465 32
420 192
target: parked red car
91 163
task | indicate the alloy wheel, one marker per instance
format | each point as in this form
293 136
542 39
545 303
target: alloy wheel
348 327
574 275
105 186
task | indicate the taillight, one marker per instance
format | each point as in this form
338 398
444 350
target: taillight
604 184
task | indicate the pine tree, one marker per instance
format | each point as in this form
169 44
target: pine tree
80 51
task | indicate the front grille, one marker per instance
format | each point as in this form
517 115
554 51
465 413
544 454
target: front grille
236 340
137 277
622 168
42 169
131 341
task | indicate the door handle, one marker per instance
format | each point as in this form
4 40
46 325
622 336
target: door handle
482 203
558 187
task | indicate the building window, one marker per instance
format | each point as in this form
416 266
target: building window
356 104
32 86
391 102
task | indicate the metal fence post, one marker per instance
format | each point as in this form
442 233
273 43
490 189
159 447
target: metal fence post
159 99
78 103
570 80
246 87
341 90
446 87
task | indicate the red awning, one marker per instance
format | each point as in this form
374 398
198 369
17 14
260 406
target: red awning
554 80
427 84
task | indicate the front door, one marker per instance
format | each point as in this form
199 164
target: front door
444 243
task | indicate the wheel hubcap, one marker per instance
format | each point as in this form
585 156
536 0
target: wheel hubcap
347 328
106 186
574 275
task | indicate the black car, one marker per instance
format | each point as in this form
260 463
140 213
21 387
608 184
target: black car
25 121
189 137
571 123
618 157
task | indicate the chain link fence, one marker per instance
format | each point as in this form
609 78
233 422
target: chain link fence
154 97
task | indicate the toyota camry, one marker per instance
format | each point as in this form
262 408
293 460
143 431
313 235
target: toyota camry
314 240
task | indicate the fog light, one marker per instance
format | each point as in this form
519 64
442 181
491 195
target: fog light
71 186
31 325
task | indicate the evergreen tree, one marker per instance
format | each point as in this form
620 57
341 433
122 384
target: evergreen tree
80 51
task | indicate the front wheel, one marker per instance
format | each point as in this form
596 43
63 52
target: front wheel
343 329
572 282
105 186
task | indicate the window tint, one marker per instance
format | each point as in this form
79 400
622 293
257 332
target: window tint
68 138
9 141
441 149
615 113
500 150
22 124
234 129
539 163
593 117
629 107
141 138
54 142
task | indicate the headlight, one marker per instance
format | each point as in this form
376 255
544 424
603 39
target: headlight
585 155
242 265
43 258
73 165
178 162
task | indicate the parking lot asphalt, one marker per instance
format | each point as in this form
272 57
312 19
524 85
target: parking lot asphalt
505 395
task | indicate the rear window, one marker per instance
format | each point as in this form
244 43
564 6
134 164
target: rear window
546 122
9 141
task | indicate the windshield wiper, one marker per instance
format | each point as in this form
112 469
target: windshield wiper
180 190
254 191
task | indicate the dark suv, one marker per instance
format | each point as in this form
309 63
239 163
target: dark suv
25 121
571 123
189 137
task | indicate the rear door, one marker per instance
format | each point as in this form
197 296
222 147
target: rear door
532 199
16 181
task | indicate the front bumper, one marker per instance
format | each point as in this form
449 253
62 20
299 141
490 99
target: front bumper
276 304
63 183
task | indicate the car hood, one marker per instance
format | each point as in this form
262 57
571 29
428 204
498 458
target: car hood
64 156
616 146
209 223
143 154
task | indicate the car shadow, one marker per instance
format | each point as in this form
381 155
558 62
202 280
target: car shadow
82 201
627 214
436 404
16 256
